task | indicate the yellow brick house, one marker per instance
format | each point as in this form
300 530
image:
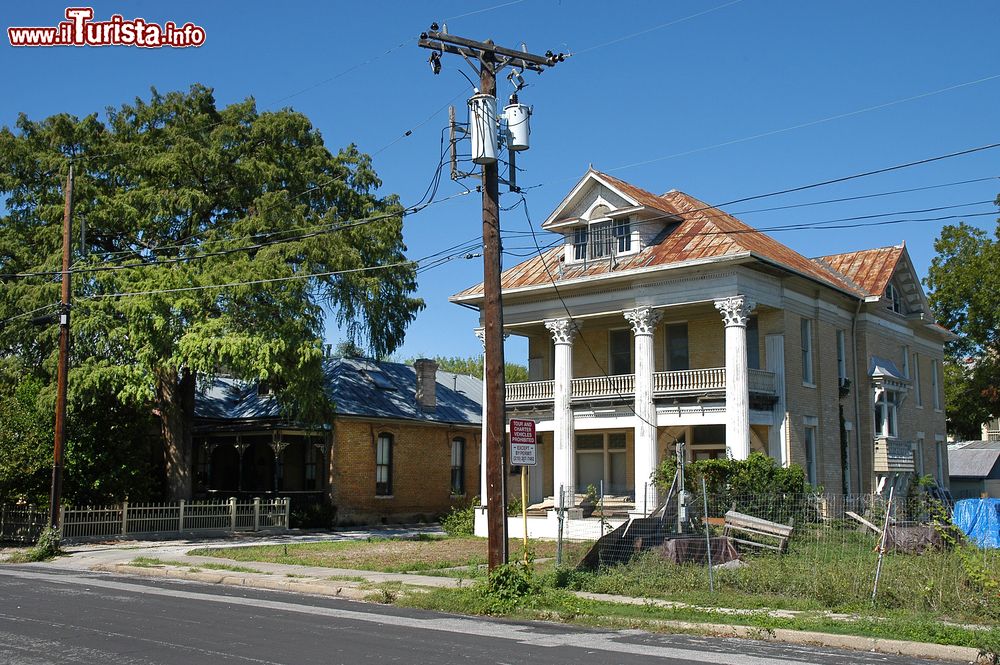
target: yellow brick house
658 319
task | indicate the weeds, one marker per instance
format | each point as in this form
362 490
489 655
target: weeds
45 548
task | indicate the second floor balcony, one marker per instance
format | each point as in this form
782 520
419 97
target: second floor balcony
707 382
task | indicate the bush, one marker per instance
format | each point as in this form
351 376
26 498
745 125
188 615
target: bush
46 547
314 516
460 520
506 587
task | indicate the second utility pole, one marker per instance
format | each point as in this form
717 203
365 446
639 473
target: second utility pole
63 369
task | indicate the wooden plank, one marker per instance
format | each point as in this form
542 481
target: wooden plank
863 521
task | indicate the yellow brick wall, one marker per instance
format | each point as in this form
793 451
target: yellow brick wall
421 474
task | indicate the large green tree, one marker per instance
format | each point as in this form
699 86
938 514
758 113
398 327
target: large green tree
171 191
965 295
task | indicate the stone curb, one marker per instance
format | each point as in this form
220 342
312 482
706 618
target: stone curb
349 590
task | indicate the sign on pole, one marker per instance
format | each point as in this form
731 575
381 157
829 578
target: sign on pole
522 442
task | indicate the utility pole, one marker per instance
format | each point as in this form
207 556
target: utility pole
491 59
61 379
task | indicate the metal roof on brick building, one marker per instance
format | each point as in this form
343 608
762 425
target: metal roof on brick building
358 387
702 232
870 269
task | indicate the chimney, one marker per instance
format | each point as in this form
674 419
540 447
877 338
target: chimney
426 370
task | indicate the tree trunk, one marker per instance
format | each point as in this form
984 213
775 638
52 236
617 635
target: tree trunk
175 401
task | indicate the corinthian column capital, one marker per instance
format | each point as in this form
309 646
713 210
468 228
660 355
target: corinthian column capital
735 310
643 319
563 331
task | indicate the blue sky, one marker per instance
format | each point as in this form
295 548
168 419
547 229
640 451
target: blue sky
720 99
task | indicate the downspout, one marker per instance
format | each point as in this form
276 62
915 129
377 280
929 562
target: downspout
857 399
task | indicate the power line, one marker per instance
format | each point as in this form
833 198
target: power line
803 125
653 29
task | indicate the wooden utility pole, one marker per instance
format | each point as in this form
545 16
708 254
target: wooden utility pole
61 379
491 59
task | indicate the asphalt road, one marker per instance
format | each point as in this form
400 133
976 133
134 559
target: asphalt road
52 616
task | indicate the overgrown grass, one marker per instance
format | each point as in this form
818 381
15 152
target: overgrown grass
825 570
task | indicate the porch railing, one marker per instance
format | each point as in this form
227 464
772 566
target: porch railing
679 382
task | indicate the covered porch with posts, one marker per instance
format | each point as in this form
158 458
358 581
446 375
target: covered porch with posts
612 394
262 462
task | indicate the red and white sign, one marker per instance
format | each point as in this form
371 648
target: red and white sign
522 442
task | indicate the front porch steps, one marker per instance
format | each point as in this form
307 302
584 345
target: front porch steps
614 506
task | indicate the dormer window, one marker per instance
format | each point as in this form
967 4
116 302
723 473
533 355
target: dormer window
600 240
580 243
623 234
893 296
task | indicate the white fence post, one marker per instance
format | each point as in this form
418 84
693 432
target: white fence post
180 517
288 510
124 517
232 513
256 513
62 521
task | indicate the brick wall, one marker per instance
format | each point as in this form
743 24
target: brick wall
421 473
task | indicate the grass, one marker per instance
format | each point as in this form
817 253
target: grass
825 570
390 555
559 605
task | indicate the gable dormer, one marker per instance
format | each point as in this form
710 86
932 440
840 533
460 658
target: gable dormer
604 218
903 294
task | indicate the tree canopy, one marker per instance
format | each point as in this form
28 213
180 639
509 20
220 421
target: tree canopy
214 240
965 296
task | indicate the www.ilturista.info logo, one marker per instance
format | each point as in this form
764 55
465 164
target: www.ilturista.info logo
81 30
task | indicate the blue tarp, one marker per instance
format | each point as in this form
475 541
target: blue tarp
979 519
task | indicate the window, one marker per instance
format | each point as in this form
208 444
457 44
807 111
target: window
623 234
810 444
620 351
311 454
458 465
601 461
807 351
920 456
753 343
383 465
600 240
841 356
895 301
939 454
677 347
935 391
916 382
580 243
886 416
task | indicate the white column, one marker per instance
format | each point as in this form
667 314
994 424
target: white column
777 440
481 334
735 311
644 320
563 331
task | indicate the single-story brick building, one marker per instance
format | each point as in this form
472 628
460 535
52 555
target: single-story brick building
403 444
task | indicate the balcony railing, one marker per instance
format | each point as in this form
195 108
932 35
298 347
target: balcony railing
682 382
892 455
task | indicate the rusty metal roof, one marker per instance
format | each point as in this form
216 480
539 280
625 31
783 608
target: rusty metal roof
870 269
704 232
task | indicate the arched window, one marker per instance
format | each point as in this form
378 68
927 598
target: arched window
383 465
458 465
